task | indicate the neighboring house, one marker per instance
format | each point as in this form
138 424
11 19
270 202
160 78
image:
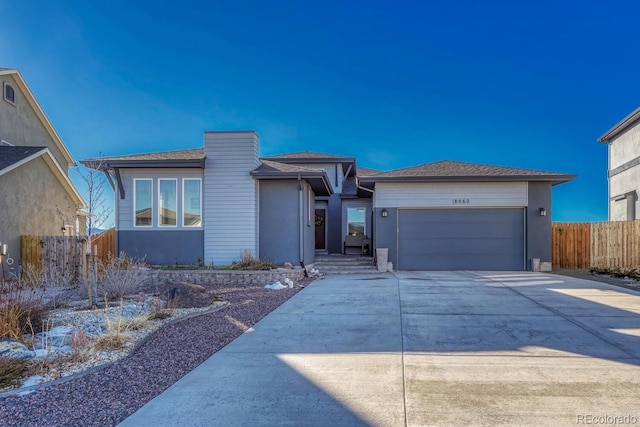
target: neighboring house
211 204
623 142
36 195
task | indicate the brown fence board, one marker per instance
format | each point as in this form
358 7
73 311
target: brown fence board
613 244
105 244
63 254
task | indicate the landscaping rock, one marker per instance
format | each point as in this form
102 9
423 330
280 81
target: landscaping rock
14 349
187 295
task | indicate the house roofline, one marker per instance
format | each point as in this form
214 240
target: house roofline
555 179
57 170
105 164
621 126
316 176
31 99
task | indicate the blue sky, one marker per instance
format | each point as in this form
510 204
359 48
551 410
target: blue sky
528 84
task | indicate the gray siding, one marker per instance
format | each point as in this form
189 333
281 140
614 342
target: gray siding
539 227
280 222
386 234
334 224
161 247
427 195
230 196
125 208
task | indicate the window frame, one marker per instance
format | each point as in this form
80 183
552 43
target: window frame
184 224
135 196
160 224
6 85
364 219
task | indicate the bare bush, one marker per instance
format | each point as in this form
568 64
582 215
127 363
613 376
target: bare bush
21 307
120 277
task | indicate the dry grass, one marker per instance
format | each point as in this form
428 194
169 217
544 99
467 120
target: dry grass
12 371
111 341
21 308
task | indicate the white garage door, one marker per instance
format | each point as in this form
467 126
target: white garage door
461 239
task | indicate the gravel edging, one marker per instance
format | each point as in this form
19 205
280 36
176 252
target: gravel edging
25 390
110 394
587 275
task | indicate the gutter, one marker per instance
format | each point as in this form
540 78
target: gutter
301 217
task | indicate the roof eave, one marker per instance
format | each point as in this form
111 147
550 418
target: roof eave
512 178
31 99
168 163
317 177
621 126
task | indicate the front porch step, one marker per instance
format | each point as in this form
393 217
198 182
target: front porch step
344 264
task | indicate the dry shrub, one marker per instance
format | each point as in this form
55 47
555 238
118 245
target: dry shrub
112 340
12 370
21 309
48 276
249 262
121 276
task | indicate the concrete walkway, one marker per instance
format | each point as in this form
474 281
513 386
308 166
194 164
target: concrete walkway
423 348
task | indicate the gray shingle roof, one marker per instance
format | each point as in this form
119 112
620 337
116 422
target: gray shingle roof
191 154
368 172
12 155
307 155
268 166
275 170
446 170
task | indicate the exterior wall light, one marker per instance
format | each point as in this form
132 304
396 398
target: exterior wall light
384 213
543 212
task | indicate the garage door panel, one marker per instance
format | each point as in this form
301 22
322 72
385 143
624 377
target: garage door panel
447 262
461 246
469 238
473 231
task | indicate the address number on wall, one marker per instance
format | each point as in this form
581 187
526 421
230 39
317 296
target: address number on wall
461 201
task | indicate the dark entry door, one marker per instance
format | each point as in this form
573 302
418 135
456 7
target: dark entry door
321 229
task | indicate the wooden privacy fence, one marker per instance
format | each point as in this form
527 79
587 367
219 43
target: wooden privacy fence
105 244
64 255
598 244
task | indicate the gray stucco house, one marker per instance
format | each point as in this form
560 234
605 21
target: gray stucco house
212 203
623 144
36 195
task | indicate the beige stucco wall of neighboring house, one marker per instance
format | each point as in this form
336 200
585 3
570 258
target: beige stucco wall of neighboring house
33 203
19 124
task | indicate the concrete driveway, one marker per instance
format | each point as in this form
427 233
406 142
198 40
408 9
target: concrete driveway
424 348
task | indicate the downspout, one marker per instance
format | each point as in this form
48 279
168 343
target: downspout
301 217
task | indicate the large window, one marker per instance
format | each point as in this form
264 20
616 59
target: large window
192 202
167 202
355 221
143 202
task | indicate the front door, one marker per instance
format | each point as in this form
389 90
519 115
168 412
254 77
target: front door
321 229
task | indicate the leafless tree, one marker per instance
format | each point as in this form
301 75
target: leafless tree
98 212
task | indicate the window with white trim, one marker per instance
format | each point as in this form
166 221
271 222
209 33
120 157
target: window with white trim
167 202
192 202
143 202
